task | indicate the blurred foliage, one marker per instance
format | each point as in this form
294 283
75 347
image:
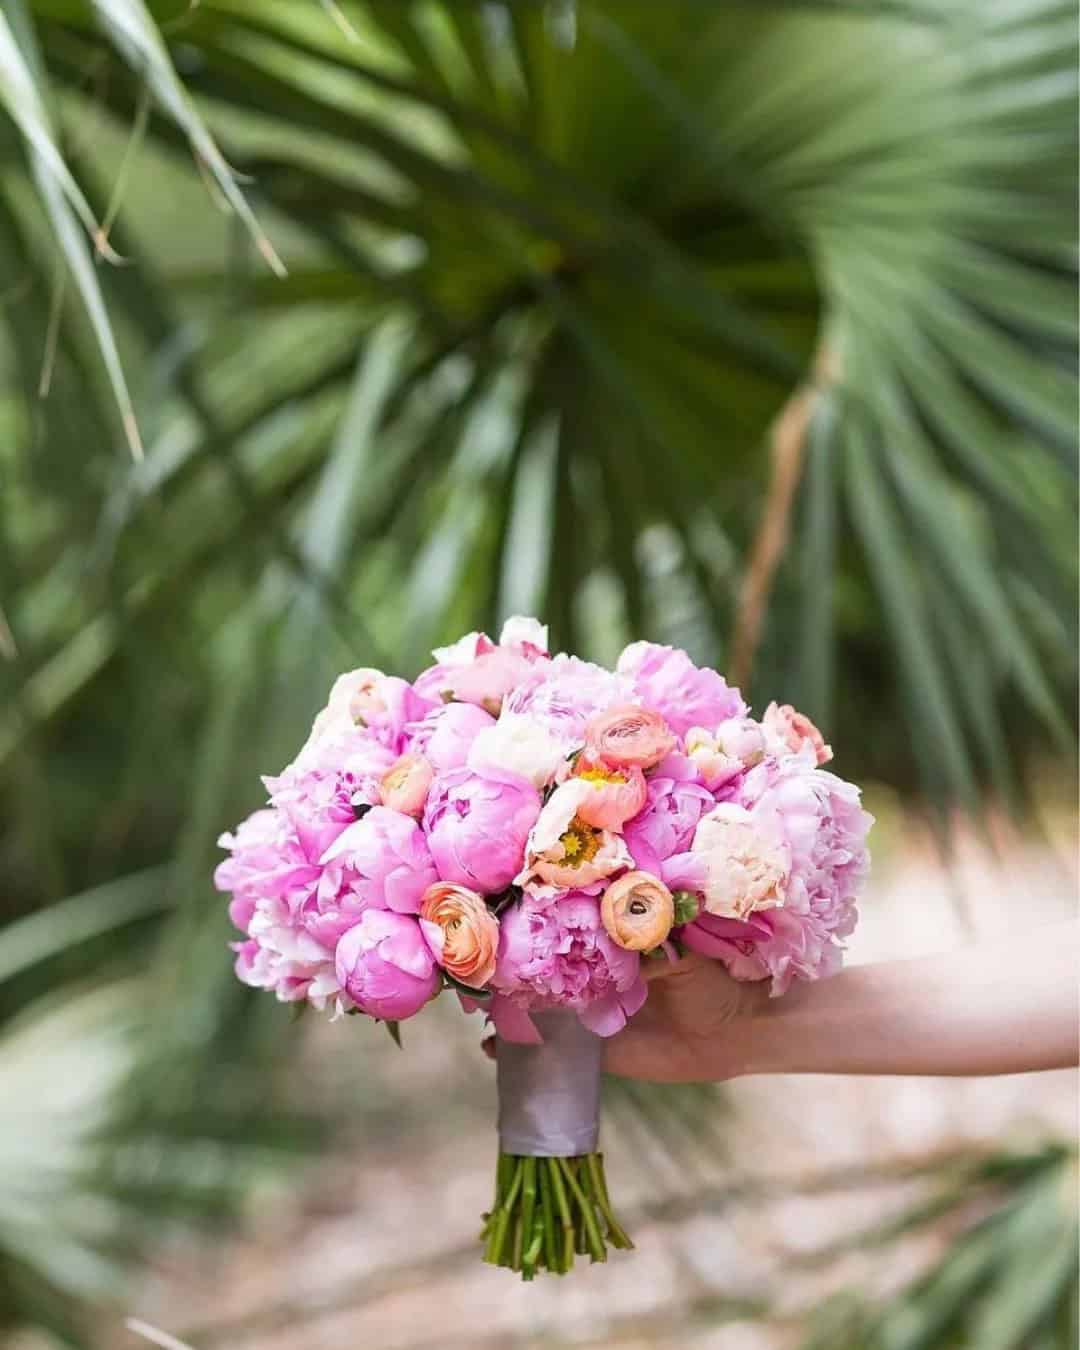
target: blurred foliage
578 295
1008 1281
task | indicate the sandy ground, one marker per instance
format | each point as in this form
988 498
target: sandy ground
376 1246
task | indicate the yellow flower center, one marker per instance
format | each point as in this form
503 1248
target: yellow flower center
580 843
603 776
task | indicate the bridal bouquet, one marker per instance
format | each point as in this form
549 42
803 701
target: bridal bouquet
524 830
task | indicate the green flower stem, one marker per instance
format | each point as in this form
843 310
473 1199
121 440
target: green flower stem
617 1235
594 1243
566 1258
497 1238
547 1200
547 1210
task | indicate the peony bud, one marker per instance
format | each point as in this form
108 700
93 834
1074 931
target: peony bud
638 912
687 907
792 731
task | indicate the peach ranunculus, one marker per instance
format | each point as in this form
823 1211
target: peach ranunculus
746 868
404 786
615 792
793 731
628 734
638 911
565 851
461 931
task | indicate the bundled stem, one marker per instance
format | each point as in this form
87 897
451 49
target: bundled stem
547 1210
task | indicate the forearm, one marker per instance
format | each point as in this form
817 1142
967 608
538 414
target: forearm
999 1008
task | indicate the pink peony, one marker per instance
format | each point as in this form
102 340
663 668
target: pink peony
382 862
477 822
563 851
562 694
614 792
556 954
280 955
823 827
792 732
265 860
666 679
404 786
476 670
446 735
385 966
667 824
274 888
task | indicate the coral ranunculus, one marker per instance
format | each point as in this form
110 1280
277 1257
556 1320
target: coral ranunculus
630 735
462 932
614 792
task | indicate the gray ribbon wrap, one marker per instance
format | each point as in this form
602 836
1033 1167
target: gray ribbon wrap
549 1094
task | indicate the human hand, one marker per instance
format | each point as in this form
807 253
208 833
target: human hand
694 1026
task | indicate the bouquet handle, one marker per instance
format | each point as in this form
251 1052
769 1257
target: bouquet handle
551 1199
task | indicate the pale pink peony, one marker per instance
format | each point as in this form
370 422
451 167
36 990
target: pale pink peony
736 745
404 786
666 679
526 634
745 864
556 954
461 931
446 734
627 734
385 965
381 861
563 851
519 745
824 828
368 700
792 732
477 822
615 792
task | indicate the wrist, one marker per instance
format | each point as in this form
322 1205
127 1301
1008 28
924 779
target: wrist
768 1029
756 1046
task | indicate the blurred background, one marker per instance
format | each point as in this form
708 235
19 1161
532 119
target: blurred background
329 331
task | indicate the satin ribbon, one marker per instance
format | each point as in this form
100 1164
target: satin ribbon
549 1094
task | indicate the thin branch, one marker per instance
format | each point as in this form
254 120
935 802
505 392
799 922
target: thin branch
787 443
